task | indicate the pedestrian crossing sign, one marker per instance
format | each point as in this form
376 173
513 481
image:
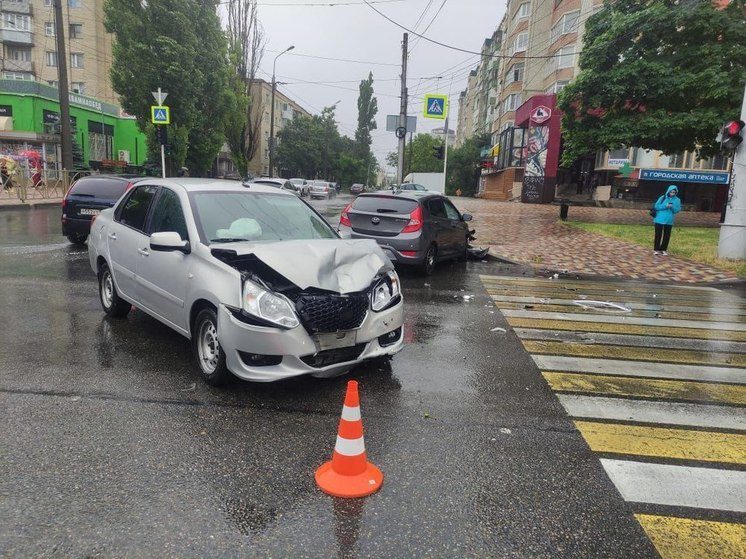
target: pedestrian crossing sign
436 106
160 114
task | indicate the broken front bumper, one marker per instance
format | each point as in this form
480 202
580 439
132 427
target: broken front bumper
264 354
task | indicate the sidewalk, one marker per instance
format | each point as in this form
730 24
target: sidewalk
532 234
32 201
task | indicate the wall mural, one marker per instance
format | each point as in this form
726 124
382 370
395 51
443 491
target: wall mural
536 151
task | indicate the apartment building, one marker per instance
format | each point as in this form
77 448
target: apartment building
286 109
466 100
29 49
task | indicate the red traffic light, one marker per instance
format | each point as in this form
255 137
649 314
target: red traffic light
731 135
734 127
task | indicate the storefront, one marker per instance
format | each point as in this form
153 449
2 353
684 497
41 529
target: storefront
30 121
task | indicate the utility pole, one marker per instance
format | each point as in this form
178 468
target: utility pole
446 130
65 134
732 242
403 110
272 115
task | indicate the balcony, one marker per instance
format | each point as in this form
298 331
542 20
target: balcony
17 6
17 65
15 37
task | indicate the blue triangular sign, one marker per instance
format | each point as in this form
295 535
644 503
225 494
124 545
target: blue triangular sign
160 114
435 107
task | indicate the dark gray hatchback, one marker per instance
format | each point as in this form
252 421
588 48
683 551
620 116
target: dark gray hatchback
412 228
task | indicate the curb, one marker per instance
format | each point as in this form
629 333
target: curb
30 205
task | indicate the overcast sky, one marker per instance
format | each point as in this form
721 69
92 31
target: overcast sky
356 32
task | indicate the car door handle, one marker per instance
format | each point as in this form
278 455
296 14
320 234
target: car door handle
143 251
113 236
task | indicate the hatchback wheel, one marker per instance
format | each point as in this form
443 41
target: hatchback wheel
207 350
428 265
77 238
112 303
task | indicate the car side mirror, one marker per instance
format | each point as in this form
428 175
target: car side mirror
467 217
169 241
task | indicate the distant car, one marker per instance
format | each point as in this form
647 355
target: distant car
357 188
86 198
301 185
410 186
412 228
282 184
321 189
336 186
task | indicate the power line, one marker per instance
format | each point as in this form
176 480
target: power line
314 4
428 25
337 59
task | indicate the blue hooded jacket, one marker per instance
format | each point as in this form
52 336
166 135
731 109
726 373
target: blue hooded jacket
664 214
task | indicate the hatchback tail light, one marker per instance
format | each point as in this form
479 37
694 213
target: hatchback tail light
415 221
344 219
64 203
129 185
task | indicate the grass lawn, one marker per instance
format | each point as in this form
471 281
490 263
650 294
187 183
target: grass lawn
699 244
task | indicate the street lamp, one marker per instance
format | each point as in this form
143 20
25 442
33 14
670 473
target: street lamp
272 115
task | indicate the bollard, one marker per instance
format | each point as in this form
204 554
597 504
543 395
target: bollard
564 208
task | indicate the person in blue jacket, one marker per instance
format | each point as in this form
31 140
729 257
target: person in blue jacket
666 207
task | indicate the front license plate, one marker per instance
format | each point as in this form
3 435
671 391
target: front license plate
89 211
335 340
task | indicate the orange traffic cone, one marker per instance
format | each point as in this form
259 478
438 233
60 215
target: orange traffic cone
348 473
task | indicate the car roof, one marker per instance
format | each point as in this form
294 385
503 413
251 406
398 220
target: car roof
414 195
205 185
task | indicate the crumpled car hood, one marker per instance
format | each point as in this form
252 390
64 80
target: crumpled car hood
339 265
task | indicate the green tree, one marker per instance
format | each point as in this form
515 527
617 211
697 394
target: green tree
419 155
367 108
661 74
464 166
177 45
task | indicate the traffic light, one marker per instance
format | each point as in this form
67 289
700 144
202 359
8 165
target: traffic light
161 134
439 152
730 135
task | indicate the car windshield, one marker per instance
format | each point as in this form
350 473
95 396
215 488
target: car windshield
297 181
225 217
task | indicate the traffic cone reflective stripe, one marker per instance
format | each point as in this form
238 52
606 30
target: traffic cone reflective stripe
349 474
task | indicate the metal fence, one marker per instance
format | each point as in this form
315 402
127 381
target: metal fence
26 183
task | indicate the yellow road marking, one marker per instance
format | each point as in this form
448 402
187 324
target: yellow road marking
611 385
635 353
608 328
686 538
663 442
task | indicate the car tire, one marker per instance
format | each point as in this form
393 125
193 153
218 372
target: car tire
77 238
113 305
210 356
428 264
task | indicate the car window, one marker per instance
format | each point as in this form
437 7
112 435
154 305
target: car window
406 187
437 208
168 215
420 188
245 216
106 188
269 183
451 211
384 204
135 209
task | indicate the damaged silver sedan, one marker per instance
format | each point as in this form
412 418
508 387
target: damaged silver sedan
260 283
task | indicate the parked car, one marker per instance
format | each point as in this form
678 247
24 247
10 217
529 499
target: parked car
321 189
410 186
255 277
301 185
336 186
282 184
412 228
357 188
86 198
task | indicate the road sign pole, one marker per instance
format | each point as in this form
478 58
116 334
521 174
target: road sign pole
402 110
732 242
163 161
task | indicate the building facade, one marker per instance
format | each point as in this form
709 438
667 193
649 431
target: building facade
286 109
29 49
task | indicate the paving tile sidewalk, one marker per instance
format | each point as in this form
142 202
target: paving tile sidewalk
532 234
30 202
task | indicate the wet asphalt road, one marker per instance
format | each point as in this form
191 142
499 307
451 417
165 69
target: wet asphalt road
112 446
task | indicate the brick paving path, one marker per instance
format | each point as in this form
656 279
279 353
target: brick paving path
532 234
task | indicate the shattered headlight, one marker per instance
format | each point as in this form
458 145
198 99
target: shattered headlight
385 291
268 306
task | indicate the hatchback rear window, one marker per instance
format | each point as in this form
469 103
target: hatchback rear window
108 189
384 204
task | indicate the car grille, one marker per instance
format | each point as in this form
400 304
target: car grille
332 313
333 356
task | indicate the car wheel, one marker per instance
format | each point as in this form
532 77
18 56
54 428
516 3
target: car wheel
77 238
428 265
112 303
207 350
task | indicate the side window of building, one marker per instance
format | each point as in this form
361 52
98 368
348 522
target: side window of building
451 211
437 208
168 215
134 212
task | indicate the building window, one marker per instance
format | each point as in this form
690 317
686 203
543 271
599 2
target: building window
76 30
677 160
565 57
511 102
74 3
515 74
19 54
519 44
49 29
53 83
77 60
50 58
25 76
717 163
621 153
568 23
524 10
557 86
16 22
48 3
78 87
